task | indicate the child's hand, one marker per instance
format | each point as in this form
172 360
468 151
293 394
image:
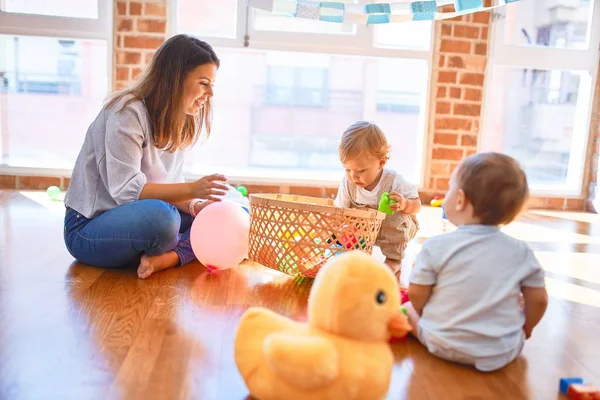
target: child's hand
202 205
400 201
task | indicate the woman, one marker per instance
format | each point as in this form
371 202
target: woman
127 200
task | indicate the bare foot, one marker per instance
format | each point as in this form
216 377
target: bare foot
152 264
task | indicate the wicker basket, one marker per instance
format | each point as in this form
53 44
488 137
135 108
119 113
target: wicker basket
298 234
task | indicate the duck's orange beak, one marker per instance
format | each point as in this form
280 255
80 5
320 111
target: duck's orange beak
399 325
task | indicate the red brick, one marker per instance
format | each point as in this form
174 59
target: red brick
536 203
441 61
555 203
446 29
441 92
431 184
484 33
8 182
475 63
121 85
482 17
124 25
129 57
135 8
151 25
148 58
455 46
441 183
470 152
473 94
122 73
468 140
263 189
466 31
456 62
445 138
449 123
467 109
66 183
439 169
135 72
142 42
481 49
155 10
37 182
311 191
455 92
447 77
469 78
444 153
121 8
442 107
575 204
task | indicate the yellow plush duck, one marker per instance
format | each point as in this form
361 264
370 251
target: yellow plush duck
342 352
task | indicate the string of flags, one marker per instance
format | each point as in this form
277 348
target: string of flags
375 12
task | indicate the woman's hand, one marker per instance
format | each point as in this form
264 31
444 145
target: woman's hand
208 187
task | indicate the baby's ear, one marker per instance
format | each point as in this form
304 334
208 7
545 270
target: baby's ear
461 200
382 162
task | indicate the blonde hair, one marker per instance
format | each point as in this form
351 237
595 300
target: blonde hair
362 138
161 87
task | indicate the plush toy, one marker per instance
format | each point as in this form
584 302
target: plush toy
342 352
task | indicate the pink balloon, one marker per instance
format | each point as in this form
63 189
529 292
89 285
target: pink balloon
219 235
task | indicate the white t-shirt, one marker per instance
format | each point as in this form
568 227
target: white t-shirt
371 197
477 272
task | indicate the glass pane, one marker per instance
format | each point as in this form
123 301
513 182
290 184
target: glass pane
538 118
51 90
57 8
208 18
284 116
404 35
268 21
560 24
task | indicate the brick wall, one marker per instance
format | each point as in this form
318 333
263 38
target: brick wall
140 28
458 73
458 76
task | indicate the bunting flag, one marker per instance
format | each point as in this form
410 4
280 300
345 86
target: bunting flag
375 12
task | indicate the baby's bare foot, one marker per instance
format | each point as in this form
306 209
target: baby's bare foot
152 264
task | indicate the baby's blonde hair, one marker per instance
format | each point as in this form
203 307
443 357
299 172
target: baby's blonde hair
362 138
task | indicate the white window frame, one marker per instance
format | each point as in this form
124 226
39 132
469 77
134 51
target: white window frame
504 55
359 44
100 28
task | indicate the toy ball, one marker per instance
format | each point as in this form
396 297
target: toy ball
243 190
437 201
219 235
53 192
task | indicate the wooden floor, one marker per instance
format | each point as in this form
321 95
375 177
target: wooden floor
69 331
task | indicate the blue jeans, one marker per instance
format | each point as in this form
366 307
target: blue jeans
119 237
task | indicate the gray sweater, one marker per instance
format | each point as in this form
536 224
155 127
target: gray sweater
117 159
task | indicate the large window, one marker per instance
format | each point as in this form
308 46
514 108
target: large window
54 74
539 91
282 102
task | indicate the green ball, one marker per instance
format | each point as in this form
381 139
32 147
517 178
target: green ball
53 192
243 190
